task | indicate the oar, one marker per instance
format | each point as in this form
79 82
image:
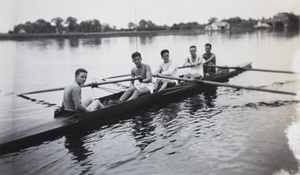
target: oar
251 69
228 85
37 101
126 75
189 66
90 84
117 76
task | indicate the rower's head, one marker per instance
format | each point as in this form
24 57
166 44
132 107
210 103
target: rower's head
136 58
207 47
81 76
165 55
193 50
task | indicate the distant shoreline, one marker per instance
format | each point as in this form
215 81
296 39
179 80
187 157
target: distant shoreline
97 35
30 36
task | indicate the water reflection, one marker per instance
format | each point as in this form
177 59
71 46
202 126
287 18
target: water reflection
92 41
196 102
41 43
286 34
212 33
74 42
146 39
202 103
61 43
145 124
75 144
169 113
143 130
143 40
132 40
210 96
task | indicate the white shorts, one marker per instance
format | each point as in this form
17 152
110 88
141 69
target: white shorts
149 86
167 80
94 105
196 71
91 104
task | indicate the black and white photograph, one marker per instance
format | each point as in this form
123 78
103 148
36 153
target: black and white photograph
168 87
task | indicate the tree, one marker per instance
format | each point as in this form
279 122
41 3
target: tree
192 25
58 21
143 23
175 27
96 26
72 25
106 27
90 26
85 26
293 21
41 26
29 28
233 21
212 20
131 26
18 28
150 24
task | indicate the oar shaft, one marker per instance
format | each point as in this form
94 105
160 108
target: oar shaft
110 82
182 67
248 88
251 69
42 91
228 85
117 76
274 71
90 84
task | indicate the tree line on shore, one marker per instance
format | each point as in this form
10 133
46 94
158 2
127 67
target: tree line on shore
70 25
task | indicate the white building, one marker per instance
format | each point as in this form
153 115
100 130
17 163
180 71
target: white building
22 31
261 25
218 26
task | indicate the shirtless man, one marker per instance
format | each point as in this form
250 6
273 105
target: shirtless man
196 62
167 68
144 75
210 60
72 95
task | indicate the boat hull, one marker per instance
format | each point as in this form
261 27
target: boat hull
63 122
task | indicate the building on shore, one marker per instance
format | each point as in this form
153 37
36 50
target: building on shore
261 25
218 26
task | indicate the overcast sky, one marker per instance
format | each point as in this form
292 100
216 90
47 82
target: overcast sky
120 12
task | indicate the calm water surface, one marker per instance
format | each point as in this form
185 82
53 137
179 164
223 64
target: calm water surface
224 131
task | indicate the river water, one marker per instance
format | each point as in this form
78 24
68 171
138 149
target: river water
225 131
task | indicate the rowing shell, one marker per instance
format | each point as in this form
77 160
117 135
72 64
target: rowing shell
66 121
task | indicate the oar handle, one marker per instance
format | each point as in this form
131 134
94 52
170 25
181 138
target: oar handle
251 69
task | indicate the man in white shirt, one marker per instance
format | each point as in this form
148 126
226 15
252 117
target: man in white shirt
195 62
167 68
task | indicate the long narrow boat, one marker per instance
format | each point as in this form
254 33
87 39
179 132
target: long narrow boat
64 121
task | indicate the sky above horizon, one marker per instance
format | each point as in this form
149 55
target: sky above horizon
120 12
